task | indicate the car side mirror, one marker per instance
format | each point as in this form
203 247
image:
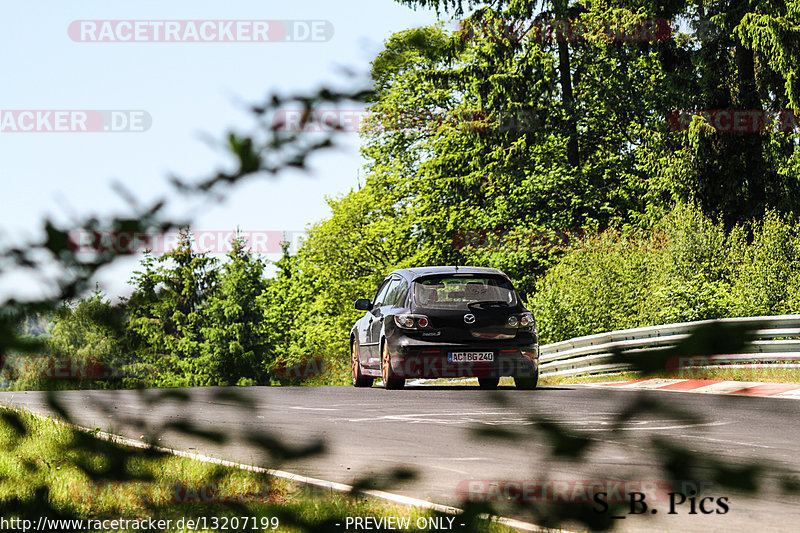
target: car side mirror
362 304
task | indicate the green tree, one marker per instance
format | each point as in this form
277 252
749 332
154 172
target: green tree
310 302
84 348
742 62
235 343
168 311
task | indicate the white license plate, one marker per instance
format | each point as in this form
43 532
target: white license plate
468 357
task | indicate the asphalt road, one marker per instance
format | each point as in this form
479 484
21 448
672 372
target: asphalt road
432 430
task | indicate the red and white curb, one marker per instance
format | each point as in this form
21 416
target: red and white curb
710 386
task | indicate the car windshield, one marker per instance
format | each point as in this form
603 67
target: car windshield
464 292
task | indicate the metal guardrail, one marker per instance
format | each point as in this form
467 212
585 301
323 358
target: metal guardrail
776 340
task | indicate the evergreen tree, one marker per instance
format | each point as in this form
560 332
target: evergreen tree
235 342
168 311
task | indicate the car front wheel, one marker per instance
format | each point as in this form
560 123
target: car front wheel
390 380
359 380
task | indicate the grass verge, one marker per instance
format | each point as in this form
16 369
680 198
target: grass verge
51 469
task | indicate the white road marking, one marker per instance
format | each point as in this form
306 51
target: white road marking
729 441
440 418
460 458
475 417
652 428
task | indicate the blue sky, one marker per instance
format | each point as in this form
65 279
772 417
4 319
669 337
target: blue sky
191 91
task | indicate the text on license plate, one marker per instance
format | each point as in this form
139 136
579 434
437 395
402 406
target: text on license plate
463 357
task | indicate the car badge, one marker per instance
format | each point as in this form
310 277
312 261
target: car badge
469 318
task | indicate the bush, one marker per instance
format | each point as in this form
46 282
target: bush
690 268
693 271
768 281
596 287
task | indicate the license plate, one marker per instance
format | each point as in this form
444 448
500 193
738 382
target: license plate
468 357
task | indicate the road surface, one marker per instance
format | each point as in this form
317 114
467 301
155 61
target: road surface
434 431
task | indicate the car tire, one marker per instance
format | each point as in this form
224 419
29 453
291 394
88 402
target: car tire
390 381
488 383
359 380
527 382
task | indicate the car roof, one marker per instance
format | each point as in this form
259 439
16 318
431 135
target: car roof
419 272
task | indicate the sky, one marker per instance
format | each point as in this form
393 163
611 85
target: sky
189 93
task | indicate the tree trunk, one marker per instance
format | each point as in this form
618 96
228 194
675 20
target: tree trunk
573 153
751 144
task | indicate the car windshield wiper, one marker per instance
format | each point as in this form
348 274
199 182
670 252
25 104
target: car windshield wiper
488 302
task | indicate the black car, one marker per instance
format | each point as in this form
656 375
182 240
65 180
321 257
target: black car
446 321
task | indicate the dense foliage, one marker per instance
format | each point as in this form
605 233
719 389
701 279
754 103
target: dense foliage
559 161
689 269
